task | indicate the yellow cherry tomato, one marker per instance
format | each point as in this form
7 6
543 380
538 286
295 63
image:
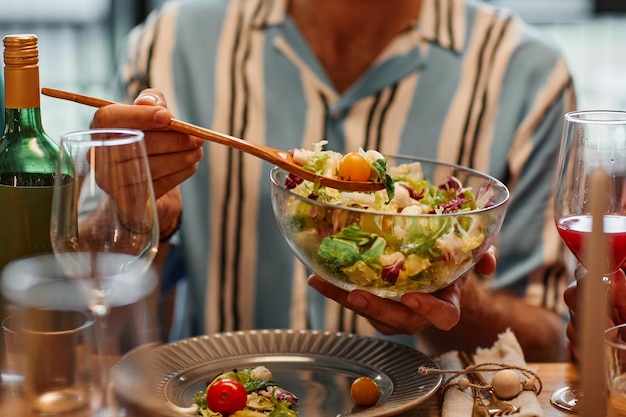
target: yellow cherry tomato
354 167
365 391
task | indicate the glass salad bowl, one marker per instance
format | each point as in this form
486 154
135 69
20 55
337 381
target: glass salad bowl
441 220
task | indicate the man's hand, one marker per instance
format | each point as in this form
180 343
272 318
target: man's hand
173 156
616 297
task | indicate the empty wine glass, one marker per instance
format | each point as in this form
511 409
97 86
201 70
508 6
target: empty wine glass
104 227
591 139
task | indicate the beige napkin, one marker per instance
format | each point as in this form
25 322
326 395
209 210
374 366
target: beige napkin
506 349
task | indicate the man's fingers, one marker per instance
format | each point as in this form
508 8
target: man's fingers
151 97
487 264
132 117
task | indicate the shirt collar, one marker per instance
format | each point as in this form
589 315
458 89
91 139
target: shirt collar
442 22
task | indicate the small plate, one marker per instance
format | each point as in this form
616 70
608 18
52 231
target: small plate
318 367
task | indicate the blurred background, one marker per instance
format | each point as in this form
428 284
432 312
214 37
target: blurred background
80 40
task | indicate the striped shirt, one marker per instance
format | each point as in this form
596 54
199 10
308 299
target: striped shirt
467 84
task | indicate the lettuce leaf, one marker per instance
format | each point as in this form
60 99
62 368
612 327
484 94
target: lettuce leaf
350 245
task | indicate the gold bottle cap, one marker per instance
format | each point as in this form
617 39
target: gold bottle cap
20 50
21 71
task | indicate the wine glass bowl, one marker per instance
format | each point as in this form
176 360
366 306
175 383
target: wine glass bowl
109 207
591 140
104 226
415 252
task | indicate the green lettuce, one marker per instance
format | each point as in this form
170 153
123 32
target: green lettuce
351 245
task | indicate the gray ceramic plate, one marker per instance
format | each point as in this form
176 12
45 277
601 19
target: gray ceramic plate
318 367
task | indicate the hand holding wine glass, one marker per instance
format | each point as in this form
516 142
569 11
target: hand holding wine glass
591 139
104 226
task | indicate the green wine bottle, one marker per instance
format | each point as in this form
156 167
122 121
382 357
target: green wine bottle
28 158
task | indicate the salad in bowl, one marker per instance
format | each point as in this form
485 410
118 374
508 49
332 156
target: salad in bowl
425 229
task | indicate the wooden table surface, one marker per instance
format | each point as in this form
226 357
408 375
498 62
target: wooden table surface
553 376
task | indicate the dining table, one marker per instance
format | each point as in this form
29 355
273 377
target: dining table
553 375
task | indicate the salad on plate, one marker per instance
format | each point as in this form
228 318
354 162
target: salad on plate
245 393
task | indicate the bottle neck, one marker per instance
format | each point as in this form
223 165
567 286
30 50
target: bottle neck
21 87
22 101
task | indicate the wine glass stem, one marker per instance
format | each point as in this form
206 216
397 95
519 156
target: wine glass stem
100 313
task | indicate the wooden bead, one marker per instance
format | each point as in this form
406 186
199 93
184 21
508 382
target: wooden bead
463 384
528 384
506 384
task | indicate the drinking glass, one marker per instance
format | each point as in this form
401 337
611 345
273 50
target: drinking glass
615 369
591 139
36 286
104 227
48 351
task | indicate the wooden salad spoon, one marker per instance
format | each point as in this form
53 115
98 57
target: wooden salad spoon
277 157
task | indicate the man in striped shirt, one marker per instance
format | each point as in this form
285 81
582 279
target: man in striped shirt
452 80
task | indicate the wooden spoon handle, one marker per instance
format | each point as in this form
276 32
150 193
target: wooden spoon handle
176 125
277 157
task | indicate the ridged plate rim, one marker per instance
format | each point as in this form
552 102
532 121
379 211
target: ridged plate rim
397 363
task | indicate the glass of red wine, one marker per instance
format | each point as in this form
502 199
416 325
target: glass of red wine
591 139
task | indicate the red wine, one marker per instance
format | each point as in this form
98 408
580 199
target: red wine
573 231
